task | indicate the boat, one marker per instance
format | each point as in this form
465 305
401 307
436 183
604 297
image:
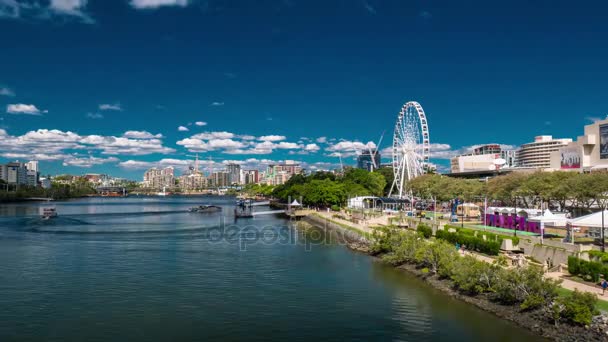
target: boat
164 193
243 209
205 209
49 213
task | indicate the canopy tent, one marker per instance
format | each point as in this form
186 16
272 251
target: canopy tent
362 202
295 203
550 219
592 220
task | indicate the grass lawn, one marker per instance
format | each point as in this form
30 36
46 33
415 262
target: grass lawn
500 230
601 304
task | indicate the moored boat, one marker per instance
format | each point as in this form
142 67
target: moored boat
205 209
49 213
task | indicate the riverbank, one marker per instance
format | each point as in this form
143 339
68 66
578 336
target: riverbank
536 321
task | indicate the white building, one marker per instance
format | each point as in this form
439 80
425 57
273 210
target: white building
468 163
588 153
537 154
483 158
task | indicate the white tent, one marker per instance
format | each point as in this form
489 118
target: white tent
592 220
550 219
295 203
362 202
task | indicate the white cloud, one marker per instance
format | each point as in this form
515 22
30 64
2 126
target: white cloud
5 91
21 108
88 161
107 106
144 165
182 129
225 144
350 146
33 9
311 147
231 143
322 140
214 135
151 4
73 8
272 138
217 104
287 145
94 115
141 135
200 123
44 141
247 137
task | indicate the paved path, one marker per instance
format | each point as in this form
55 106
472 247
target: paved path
572 285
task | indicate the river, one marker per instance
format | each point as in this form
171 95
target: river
143 269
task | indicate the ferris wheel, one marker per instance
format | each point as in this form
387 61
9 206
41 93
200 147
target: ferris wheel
411 146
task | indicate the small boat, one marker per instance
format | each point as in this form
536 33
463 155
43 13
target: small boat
205 209
49 213
163 193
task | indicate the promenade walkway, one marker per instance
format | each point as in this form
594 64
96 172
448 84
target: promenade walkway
575 285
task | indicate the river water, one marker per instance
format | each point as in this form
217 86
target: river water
143 269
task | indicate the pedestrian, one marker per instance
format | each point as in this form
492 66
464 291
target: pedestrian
604 286
457 247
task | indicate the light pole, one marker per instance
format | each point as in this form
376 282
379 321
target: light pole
603 235
515 226
461 214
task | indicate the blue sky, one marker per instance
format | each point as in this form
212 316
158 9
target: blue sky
104 85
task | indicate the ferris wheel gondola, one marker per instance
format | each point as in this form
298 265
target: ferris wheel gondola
411 147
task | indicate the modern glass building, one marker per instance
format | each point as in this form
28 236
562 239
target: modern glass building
369 160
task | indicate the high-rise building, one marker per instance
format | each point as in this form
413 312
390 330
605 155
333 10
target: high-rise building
193 181
159 178
369 160
16 173
219 179
33 173
250 176
234 173
277 174
537 154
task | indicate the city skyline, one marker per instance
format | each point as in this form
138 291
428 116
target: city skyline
118 87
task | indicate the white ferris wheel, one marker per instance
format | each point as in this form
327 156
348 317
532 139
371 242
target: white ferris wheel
411 147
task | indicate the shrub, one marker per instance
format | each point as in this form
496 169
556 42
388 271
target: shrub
470 241
436 256
578 307
335 208
404 247
473 276
489 236
526 287
588 270
381 240
599 256
425 230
